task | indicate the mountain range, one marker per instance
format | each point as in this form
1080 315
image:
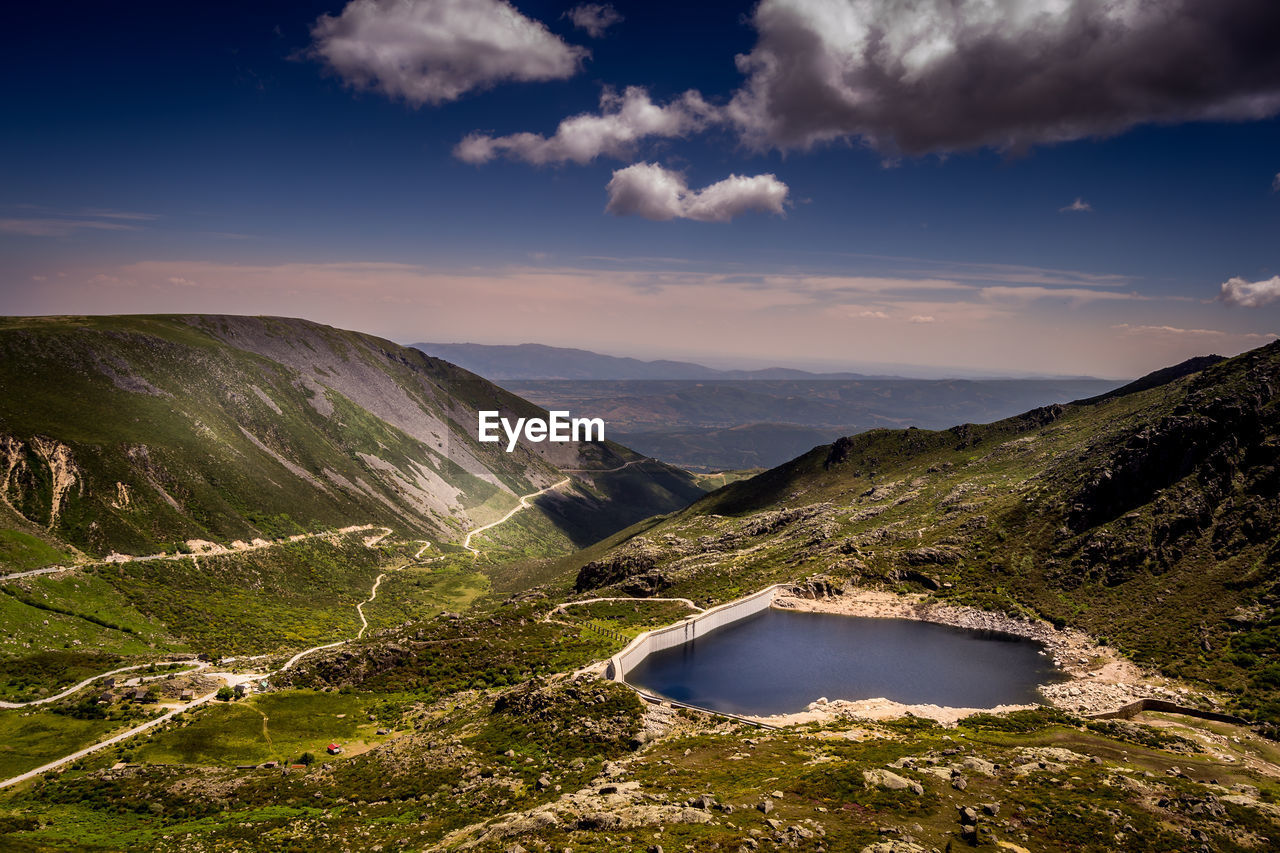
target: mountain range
132 433
418 622
1146 515
538 361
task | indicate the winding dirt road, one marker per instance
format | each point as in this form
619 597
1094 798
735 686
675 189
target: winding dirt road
231 678
524 504
237 678
199 665
560 608
216 551
607 470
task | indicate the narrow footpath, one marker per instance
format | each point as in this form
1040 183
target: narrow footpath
198 665
237 678
524 504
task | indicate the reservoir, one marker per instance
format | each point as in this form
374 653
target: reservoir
778 661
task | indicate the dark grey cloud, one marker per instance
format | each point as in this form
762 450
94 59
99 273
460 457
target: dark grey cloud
944 75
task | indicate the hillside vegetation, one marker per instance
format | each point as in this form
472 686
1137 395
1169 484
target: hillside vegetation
1147 517
135 434
265 471
470 716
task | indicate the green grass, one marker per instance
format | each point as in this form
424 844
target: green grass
20 552
420 592
275 599
268 727
31 738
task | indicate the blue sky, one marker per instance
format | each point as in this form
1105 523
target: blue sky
906 191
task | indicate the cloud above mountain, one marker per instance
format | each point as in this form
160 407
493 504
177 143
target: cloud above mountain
1250 294
435 51
650 191
946 75
623 121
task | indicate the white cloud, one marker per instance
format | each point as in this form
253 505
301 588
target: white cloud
1250 294
1175 331
1275 183
623 121
1163 330
923 318
1025 293
594 18
58 227
648 190
433 51
945 75
1077 206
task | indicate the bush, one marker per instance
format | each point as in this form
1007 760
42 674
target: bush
225 694
307 759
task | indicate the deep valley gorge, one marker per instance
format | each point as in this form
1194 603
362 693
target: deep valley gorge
301 607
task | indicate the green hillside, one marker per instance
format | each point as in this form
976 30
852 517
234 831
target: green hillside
266 471
1148 517
469 711
135 434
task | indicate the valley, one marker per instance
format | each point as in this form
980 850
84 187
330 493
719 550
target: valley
455 660
718 424
237 678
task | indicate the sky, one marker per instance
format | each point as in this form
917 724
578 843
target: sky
1048 186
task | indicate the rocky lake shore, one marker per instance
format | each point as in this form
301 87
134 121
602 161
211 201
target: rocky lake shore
1097 679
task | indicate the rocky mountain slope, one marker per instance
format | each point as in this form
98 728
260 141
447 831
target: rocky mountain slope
138 434
1148 517
470 721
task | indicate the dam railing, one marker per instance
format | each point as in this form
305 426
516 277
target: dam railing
690 628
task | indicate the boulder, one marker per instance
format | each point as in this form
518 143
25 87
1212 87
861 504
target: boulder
886 779
596 821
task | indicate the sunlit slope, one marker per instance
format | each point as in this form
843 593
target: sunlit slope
1149 517
134 434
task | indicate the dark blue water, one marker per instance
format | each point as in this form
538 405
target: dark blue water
778 661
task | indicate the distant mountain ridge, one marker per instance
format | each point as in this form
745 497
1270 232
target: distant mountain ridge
500 362
538 361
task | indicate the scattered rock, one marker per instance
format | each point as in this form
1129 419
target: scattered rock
886 779
597 821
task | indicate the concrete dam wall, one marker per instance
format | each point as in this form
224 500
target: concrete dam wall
691 628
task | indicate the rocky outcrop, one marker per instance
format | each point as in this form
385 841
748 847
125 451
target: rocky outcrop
1205 436
817 586
764 523
632 567
929 557
39 476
